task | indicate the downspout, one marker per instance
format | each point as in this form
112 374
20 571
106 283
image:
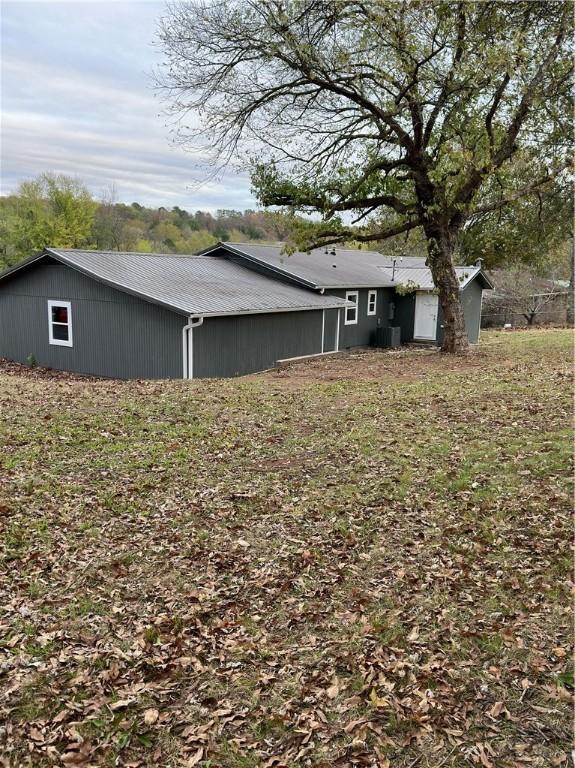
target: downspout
188 344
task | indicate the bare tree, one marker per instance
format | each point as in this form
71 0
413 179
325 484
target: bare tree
110 221
520 292
395 111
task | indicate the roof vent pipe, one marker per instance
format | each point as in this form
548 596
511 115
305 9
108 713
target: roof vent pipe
479 263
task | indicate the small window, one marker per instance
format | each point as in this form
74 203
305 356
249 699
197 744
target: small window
372 302
351 312
60 323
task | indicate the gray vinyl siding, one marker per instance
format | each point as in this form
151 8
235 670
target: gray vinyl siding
234 346
114 334
362 334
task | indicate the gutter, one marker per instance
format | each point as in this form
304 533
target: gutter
194 321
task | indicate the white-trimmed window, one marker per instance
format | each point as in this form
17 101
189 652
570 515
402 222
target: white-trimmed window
351 312
60 322
371 302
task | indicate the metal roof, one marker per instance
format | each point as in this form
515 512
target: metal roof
318 269
348 268
421 277
193 285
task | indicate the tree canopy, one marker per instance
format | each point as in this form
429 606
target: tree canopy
408 114
52 209
59 211
535 230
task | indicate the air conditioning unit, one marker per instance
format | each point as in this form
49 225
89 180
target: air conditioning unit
388 337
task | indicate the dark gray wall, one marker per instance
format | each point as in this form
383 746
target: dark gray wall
471 300
234 346
359 335
329 344
405 315
362 334
114 334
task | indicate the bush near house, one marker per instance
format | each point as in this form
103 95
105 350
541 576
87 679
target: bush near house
356 561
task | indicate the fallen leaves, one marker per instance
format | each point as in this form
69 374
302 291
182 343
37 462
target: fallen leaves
356 562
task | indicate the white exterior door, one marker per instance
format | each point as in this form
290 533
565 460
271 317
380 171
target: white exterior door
425 316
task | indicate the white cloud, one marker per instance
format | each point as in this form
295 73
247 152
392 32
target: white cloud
78 98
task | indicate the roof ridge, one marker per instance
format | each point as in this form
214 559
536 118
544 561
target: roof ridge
129 253
279 243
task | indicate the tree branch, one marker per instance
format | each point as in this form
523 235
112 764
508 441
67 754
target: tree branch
338 236
507 146
533 187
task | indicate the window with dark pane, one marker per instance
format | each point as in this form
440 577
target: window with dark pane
60 332
60 315
60 323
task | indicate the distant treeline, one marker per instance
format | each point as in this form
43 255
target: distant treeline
136 228
59 211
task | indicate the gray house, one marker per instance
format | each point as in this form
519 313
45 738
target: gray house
136 315
381 292
231 310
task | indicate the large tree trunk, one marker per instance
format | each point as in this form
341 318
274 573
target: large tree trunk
440 248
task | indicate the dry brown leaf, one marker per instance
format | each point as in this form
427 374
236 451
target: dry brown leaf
36 735
353 724
121 704
150 716
483 759
333 690
496 709
195 758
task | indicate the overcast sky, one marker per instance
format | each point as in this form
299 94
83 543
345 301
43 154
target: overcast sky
78 98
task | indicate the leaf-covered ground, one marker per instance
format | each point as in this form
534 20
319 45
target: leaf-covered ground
356 561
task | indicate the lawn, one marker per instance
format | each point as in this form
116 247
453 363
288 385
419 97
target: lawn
362 561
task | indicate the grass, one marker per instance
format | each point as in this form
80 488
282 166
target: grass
356 561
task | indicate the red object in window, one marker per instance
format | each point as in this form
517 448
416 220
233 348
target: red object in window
61 315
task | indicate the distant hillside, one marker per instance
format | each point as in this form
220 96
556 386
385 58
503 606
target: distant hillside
117 226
